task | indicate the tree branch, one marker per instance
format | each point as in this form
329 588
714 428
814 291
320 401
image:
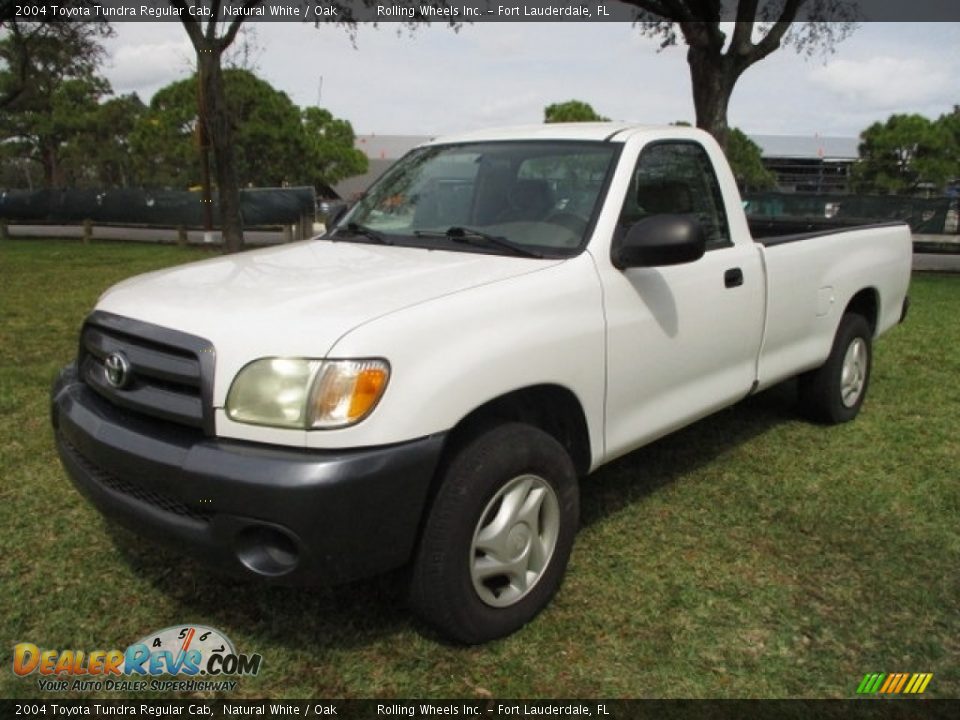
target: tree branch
234 28
212 22
771 41
703 34
23 62
191 26
743 30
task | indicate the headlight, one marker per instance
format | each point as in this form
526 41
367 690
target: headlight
345 391
304 393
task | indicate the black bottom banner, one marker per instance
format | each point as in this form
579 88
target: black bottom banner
879 709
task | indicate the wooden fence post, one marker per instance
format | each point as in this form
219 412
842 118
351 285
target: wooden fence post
87 231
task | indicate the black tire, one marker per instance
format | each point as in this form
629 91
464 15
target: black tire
443 590
822 391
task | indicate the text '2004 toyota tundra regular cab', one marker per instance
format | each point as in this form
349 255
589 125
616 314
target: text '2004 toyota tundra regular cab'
501 314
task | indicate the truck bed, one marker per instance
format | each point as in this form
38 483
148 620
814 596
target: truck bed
810 283
776 231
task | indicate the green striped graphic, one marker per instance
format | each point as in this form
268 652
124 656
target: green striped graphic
894 683
871 683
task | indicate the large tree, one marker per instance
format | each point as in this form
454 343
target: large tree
32 52
49 88
80 140
760 27
274 142
211 40
215 130
950 122
571 111
109 150
746 162
164 141
331 156
907 154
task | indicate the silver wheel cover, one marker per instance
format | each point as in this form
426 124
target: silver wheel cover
514 540
853 375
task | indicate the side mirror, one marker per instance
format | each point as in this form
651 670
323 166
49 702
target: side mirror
659 240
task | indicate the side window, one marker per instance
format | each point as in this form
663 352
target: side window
677 178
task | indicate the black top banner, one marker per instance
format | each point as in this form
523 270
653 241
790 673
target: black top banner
472 11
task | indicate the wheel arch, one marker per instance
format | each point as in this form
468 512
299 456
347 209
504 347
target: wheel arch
866 303
552 408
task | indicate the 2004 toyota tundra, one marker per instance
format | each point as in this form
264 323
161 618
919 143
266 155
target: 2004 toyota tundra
502 313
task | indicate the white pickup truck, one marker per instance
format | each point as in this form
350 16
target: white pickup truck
501 314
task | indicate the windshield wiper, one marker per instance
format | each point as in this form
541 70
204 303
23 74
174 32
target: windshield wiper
468 235
364 231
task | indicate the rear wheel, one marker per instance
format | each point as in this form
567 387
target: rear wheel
834 392
499 534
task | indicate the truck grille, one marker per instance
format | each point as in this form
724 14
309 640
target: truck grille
134 491
148 369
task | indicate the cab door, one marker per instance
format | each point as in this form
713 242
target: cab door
682 340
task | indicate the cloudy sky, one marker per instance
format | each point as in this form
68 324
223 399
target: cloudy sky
437 81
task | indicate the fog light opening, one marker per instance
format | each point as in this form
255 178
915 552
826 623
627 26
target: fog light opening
267 550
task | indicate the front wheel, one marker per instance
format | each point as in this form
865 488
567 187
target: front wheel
498 536
834 392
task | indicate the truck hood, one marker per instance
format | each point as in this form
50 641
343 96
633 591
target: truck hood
298 299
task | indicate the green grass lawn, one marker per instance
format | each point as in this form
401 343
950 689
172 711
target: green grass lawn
751 555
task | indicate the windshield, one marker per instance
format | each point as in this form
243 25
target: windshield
525 198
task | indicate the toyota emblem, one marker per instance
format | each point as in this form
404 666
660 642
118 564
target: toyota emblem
116 368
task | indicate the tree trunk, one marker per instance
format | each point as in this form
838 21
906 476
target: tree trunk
217 117
26 173
713 77
50 161
203 145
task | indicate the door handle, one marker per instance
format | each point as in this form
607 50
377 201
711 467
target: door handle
733 277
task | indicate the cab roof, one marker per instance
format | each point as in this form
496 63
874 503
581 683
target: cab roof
611 131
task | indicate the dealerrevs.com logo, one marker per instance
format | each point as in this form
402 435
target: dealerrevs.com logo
191 651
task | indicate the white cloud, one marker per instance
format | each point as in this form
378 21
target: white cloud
438 81
885 83
144 59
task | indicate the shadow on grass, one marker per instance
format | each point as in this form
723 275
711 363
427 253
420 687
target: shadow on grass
352 615
642 472
365 612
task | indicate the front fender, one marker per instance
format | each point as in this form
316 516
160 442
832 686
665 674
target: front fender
455 353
